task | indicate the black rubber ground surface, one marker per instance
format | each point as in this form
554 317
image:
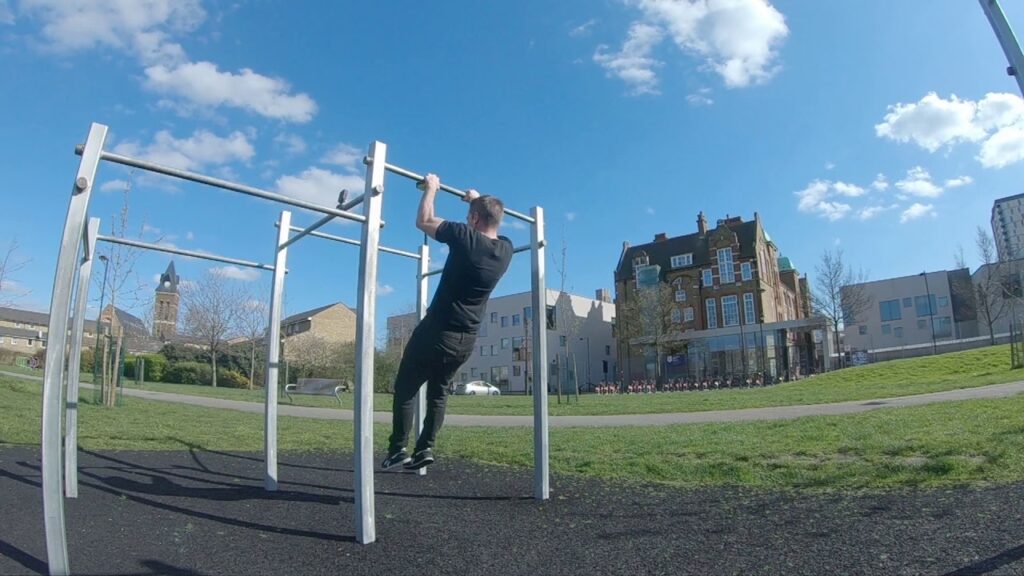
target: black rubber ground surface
206 513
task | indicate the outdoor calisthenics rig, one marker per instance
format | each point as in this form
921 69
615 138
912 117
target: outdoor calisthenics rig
78 247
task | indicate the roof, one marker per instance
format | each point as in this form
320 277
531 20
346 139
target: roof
661 252
22 333
309 313
24 316
786 265
168 280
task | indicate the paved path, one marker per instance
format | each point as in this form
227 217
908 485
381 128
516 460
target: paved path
746 414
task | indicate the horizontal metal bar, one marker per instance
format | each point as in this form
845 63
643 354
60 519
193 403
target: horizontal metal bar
353 203
353 242
433 272
224 184
528 247
179 251
450 189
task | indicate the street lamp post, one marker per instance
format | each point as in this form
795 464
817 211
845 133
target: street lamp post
931 311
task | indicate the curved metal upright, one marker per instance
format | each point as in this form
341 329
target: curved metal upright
60 303
274 352
366 531
541 475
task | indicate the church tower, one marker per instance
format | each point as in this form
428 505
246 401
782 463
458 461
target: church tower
165 305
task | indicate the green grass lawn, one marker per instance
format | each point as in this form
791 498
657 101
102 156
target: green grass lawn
947 444
968 369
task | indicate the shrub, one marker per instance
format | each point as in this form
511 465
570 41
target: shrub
88 361
155 368
231 379
188 373
129 367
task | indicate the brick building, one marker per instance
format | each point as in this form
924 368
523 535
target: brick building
333 324
699 305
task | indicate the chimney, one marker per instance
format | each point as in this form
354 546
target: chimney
660 237
702 224
603 295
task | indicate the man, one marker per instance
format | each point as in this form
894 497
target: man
445 338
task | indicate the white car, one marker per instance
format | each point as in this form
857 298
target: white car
477 387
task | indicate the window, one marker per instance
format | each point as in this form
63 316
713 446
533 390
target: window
747 271
607 350
639 261
898 331
943 301
516 320
707 279
681 260
922 324
748 308
528 312
680 295
494 317
517 370
712 313
922 303
505 343
677 316
908 302
561 341
552 321
943 327
890 310
730 311
494 350
504 321
472 372
862 330
886 329
484 351
688 315
517 342
726 272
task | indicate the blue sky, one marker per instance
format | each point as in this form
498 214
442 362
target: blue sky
863 124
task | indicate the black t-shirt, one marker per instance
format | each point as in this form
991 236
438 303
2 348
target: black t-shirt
474 266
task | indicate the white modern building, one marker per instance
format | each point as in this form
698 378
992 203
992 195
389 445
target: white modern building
579 342
913 310
1008 227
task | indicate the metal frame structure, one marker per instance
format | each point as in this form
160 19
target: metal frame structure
1007 39
78 247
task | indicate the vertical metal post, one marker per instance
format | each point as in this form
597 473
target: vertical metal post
421 307
1007 40
75 361
274 352
366 531
541 478
60 302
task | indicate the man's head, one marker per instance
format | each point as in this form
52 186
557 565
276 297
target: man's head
485 213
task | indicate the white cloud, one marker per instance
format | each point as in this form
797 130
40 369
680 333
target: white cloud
195 152
919 183
701 97
583 29
650 211
570 216
147 229
384 289
881 183
738 39
318 185
958 182
236 273
848 190
813 200
997 121
829 166
291 143
345 155
633 64
113 185
514 223
6 15
202 84
190 236
872 211
917 210
140 27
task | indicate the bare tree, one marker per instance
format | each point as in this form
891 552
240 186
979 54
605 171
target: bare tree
122 280
10 264
959 259
212 307
252 323
567 321
991 290
839 294
644 321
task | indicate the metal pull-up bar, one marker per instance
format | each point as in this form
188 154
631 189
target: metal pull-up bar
223 184
450 189
517 250
351 241
179 251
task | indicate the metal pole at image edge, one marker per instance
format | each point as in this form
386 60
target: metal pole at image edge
366 531
541 480
422 286
1007 39
274 352
60 302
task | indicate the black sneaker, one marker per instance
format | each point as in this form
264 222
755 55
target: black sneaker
420 459
395 459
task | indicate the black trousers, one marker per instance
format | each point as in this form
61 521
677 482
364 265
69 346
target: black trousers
432 356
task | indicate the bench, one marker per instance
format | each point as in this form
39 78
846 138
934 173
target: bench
316 387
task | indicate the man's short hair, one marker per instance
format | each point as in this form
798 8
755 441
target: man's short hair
489 209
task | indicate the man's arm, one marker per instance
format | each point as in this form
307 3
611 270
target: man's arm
425 218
